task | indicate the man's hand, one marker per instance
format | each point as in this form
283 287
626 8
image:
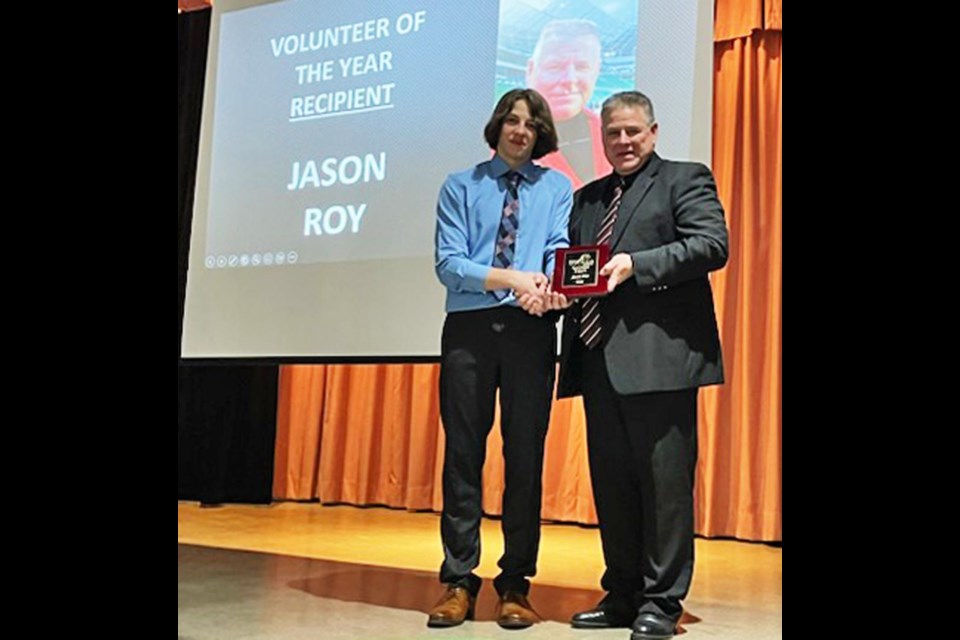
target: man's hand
529 282
531 304
531 291
556 301
619 269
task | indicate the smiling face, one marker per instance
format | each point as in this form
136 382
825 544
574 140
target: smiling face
629 138
565 72
518 135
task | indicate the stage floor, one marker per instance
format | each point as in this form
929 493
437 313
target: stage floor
292 571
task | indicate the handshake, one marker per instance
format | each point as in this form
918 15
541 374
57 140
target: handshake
535 294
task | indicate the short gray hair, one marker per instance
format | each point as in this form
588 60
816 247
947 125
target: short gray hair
628 99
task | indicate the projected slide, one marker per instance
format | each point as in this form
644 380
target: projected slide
328 128
329 142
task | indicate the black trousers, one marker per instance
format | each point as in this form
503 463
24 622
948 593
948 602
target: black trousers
643 457
482 351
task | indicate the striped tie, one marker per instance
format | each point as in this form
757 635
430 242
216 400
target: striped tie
507 235
590 326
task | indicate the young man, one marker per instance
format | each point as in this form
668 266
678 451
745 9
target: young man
498 225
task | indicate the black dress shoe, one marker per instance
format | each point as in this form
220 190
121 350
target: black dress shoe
652 626
609 614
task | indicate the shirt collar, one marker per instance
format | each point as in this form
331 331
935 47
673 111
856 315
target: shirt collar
499 168
629 179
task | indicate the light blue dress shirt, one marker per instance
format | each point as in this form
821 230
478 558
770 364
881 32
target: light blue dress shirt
468 219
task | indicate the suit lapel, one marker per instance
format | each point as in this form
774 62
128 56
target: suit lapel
632 199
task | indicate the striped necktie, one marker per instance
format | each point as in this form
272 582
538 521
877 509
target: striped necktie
509 223
590 325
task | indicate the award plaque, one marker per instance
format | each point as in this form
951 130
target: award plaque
577 271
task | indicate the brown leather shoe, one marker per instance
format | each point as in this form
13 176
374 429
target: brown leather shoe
515 612
452 609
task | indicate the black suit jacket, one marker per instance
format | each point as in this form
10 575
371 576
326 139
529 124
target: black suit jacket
659 327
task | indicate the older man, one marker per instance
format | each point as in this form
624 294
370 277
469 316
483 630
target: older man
639 356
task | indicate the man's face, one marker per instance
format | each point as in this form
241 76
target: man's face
565 73
518 135
628 138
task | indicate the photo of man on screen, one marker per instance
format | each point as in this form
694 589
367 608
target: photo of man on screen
564 69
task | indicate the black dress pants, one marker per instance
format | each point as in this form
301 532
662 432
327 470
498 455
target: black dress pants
482 351
643 457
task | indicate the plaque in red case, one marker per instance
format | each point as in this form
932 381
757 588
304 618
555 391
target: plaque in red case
576 272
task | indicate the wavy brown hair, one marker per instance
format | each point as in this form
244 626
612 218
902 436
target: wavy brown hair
539 112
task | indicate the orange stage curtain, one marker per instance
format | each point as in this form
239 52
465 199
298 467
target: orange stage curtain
740 477
371 434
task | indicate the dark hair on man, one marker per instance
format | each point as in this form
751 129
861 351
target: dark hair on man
539 112
628 99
